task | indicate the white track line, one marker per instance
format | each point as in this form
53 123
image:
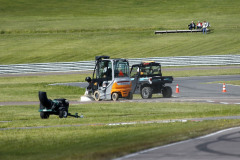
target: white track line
224 102
173 144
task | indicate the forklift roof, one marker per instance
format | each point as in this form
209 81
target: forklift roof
97 58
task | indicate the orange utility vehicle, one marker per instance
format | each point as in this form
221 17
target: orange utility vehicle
110 80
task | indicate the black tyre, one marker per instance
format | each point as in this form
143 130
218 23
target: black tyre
44 115
115 96
44 100
130 96
97 96
146 92
167 92
63 114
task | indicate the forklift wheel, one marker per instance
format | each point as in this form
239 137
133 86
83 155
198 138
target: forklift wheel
130 96
115 96
44 115
97 96
63 114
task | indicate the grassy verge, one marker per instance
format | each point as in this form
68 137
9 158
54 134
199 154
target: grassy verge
98 143
105 142
26 88
80 30
22 116
199 72
228 82
233 82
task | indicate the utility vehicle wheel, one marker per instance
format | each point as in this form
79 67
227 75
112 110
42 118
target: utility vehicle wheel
146 92
130 96
167 92
63 114
97 96
44 115
115 96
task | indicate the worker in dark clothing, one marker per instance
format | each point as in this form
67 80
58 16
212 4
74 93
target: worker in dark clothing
191 26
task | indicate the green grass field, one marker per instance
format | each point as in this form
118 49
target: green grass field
33 31
55 31
104 142
98 142
26 88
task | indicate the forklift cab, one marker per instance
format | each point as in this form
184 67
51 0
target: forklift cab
111 79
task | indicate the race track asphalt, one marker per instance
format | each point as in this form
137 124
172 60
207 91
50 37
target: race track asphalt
192 89
195 89
221 145
207 88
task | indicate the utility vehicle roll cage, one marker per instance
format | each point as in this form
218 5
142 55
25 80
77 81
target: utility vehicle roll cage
148 68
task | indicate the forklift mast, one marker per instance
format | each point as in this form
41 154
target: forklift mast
97 58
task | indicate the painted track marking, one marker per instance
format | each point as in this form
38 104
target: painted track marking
173 144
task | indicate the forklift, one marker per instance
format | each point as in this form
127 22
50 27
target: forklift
110 80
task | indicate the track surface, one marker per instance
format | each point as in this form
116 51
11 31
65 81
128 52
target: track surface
206 88
222 145
196 89
192 89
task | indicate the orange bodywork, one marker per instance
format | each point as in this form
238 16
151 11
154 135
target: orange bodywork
121 87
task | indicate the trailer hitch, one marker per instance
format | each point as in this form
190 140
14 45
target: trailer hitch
75 115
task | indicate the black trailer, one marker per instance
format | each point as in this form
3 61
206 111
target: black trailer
54 107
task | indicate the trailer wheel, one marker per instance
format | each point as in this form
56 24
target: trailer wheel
115 96
167 92
146 92
44 115
97 96
63 114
